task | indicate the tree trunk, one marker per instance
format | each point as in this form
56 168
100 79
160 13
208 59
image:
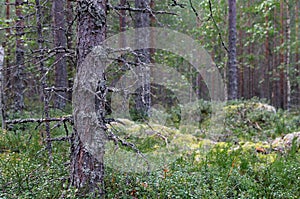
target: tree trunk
152 36
18 75
43 74
275 74
241 66
297 67
2 113
232 63
6 64
60 43
281 64
288 54
87 170
7 49
265 88
143 99
70 15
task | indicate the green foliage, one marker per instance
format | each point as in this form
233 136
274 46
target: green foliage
219 175
25 172
205 169
253 120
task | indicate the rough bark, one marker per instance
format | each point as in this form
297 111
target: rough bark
87 169
60 41
143 99
18 74
232 63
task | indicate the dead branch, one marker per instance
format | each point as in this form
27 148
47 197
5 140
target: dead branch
59 139
144 10
67 118
58 89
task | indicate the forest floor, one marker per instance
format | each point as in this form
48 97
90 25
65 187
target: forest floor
254 155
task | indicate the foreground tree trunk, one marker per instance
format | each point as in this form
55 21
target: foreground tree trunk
60 43
232 65
87 170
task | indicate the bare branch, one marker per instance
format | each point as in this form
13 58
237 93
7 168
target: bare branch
144 10
67 118
175 3
59 139
216 25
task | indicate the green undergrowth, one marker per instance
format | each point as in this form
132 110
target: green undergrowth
25 171
184 162
241 120
219 174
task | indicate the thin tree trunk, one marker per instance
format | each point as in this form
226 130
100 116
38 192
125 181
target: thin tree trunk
143 100
122 26
122 17
7 75
6 65
288 54
87 171
70 42
69 18
275 74
152 36
282 75
232 63
18 76
248 51
297 84
60 42
241 67
267 62
44 93
2 113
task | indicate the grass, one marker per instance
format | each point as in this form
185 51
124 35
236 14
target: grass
201 168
